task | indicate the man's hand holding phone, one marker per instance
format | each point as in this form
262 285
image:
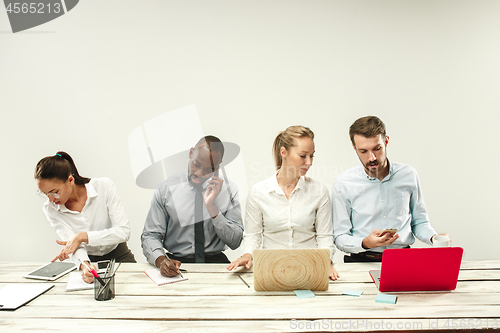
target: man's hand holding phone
380 238
212 187
389 232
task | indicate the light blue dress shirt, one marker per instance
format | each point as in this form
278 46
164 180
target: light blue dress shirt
362 203
170 221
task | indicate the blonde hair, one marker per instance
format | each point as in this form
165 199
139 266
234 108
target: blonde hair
286 139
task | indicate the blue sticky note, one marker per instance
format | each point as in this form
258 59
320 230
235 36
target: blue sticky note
352 293
304 293
386 298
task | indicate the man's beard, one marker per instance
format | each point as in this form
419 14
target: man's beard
370 170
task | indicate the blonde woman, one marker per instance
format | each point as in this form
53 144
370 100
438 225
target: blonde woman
289 210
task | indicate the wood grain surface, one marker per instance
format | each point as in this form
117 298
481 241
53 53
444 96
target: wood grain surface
216 300
291 269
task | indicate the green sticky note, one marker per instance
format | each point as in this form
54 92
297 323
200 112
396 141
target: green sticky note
386 298
304 293
352 293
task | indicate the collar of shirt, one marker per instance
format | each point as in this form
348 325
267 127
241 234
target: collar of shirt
393 168
91 192
273 186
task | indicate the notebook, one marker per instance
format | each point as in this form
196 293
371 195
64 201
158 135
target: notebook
422 269
13 296
155 275
291 269
75 282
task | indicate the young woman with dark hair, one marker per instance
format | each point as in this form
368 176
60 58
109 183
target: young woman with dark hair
87 214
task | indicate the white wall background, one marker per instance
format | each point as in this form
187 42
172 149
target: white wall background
83 82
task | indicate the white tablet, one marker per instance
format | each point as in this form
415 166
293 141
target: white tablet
51 271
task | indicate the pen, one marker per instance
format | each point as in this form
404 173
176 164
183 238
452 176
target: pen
166 256
109 273
110 268
91 270
243 281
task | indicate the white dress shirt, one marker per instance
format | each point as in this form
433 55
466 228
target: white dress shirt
303 221
102 218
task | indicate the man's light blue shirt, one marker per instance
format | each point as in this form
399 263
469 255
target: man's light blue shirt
362 203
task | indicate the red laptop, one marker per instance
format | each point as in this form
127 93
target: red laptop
419 269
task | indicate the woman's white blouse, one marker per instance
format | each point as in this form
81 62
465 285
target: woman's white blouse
274 222
102 218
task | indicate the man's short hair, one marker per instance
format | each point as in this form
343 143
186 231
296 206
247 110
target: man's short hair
368 127
213 144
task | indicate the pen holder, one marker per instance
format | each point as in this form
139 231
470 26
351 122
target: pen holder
104 290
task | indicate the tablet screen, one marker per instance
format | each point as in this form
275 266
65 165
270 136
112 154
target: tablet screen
51 271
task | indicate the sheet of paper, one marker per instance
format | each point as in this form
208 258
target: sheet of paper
12 296
155 275
304 293
75 282
386 298
352 293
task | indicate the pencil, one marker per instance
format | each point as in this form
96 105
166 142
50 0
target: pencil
243 281
166 256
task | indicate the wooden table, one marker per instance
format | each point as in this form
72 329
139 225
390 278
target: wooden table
214 299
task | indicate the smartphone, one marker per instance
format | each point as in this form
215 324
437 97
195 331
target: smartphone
388 231
102 266
207 182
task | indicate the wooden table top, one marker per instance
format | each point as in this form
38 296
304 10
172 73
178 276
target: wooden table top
214 299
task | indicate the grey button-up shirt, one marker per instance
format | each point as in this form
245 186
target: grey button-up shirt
170 221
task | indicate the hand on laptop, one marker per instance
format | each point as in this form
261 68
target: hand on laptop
375 239
244 260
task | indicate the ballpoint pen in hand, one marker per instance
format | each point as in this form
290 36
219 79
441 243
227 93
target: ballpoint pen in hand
94 273
166 256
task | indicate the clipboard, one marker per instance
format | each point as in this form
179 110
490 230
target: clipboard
13 296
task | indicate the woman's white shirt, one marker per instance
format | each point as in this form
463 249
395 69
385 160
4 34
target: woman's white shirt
102 218
303 221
